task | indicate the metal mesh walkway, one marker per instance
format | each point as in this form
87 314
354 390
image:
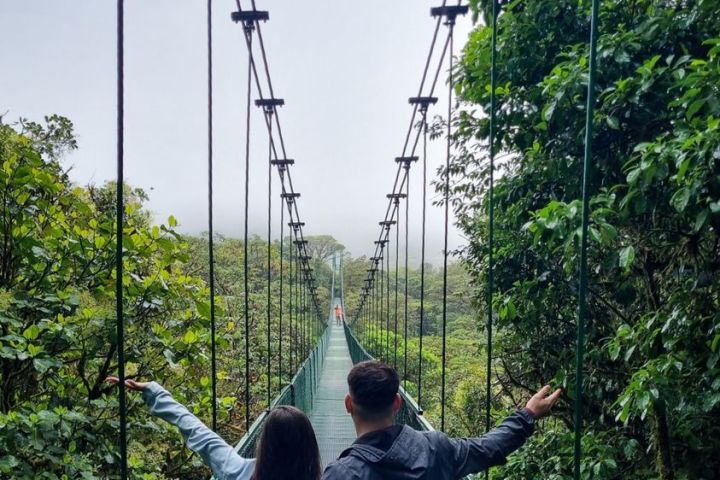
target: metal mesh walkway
333 426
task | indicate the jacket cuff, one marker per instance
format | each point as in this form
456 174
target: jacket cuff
527 416
151 391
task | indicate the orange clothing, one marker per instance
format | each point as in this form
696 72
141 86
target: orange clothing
338 311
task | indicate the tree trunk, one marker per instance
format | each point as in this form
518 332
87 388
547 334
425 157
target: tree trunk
662 442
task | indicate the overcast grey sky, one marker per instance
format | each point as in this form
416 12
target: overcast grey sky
345 70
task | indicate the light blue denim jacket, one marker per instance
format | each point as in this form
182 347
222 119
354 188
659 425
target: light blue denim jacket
224 461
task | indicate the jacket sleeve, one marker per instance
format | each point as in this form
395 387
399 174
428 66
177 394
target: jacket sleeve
337 471
472 455
215 452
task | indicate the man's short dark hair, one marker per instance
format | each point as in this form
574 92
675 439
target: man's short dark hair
373 386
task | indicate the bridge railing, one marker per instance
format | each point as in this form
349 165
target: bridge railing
410 413
299 393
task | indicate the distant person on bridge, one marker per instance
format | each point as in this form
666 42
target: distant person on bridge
287 449
384 450
338 315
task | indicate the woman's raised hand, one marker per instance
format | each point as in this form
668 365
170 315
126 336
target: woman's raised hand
131 384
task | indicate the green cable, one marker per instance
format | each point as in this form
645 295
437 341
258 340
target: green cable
120 215
211 248
491 215
582 289
491 220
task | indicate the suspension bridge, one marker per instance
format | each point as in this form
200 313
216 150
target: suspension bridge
322 352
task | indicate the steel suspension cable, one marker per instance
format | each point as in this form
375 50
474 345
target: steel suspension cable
296 293
384 286
372 315
367 305
282 252
211 240
298 344
397 268
491 220
420 89
290 301
120 220
451 28
424 127
582 288
376 314
304 319
415 109
269 113
298 305
379 302
248 27
358 320
253 18
365 312
293 311
270 88
266 65
371 306
378 311
371 309
387 300
302 309
342 287
368 313
382 300
301 304
378 308
407 272
399 182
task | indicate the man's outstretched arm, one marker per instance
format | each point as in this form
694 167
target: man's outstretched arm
472 455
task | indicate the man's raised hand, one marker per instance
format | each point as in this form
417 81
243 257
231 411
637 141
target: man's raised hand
541 403
131 384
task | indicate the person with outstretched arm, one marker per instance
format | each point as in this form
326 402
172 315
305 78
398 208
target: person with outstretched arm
287 449
387 451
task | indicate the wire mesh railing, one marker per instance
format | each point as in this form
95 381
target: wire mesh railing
300 393
410 413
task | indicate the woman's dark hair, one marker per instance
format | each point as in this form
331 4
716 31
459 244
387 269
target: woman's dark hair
288 449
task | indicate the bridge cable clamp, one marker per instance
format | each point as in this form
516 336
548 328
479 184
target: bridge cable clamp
423 102
450 12
282 163
250 17
269 104
406 161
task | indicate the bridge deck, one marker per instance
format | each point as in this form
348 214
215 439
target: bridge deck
333 426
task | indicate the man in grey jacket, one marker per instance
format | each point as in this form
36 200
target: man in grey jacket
387 451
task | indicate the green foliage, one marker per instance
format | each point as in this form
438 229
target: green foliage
57 325
652 400
465 368
58 417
